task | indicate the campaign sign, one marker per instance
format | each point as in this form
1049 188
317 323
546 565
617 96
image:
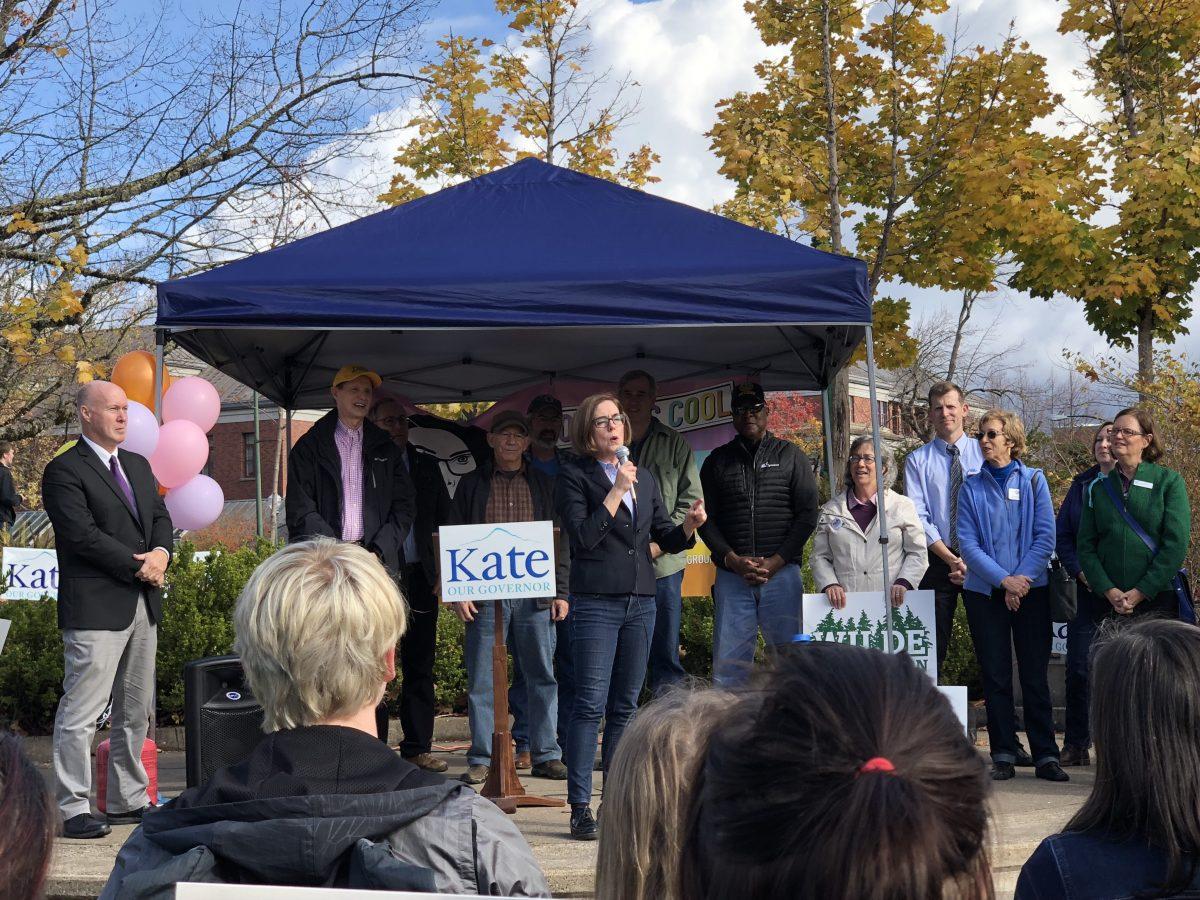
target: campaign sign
861 623
498 561
1058 640
31 573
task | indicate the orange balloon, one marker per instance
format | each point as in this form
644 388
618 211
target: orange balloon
134 374
162 491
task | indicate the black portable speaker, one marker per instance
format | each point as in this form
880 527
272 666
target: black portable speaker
222 721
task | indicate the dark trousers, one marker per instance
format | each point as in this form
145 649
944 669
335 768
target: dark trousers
996 632
1091 609
564 673
610 642
664 668
418 648
945 603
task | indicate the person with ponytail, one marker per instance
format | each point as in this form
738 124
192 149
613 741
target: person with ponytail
612 511
842 774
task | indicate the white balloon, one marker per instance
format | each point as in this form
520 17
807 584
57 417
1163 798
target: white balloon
141 431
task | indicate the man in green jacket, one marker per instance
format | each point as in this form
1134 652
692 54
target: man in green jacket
669 458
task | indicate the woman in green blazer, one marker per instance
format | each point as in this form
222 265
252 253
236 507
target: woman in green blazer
1116 563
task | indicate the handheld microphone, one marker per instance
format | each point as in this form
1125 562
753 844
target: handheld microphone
622 455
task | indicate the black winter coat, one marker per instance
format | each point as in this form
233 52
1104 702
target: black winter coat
433 506
314 490
761 504
9 498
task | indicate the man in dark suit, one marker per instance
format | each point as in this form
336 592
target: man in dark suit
9 498
113 536
418 572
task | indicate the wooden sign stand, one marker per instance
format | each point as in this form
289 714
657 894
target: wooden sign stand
502 786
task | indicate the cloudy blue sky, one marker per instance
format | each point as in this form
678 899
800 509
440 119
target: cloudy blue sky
688 54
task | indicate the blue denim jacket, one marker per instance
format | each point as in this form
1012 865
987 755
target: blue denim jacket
1077 866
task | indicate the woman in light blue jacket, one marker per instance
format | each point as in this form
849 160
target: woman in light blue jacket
1006 536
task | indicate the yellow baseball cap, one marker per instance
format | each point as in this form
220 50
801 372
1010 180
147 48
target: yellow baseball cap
349 373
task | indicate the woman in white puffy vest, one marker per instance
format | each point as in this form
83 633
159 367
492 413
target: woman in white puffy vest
846 555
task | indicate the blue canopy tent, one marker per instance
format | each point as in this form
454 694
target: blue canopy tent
527 273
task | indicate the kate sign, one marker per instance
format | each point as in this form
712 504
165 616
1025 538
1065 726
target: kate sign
497 562
30 573
862 623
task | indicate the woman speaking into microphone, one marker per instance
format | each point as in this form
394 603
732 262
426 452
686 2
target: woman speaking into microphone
613 514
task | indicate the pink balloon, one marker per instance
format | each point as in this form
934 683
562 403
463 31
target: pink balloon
141 431
196 504
192 399
180 454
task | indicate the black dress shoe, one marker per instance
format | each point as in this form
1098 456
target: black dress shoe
1073 756
1002 771
132 817
1051 771
1024 760
583 825
85 826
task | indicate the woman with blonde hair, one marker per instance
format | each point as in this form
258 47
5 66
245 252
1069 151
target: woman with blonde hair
646 797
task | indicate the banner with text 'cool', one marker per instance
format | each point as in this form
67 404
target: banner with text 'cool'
499 561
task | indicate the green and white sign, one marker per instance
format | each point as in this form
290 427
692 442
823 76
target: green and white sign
862 623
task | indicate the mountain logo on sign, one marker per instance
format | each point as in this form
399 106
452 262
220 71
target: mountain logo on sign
909 633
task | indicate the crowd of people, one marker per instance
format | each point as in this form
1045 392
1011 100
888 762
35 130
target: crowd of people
320 623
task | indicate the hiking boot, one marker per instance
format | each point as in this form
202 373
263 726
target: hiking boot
475 775
428 762
551 768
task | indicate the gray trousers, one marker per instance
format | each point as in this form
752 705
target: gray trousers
99 664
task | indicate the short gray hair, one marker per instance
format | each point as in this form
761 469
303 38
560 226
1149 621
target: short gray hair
888 467
314 623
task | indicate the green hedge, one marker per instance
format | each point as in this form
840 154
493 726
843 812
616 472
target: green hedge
197 622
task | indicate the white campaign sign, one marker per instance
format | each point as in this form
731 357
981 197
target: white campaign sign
498 561
1058 643
5 624
957 695
861 623
31 573
189 891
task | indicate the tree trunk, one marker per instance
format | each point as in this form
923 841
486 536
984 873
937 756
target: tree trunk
1145 348
964 315
839 415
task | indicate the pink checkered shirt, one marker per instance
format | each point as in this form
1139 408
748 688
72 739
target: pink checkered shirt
350 451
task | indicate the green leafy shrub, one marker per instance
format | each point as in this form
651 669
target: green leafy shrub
961 666
31 666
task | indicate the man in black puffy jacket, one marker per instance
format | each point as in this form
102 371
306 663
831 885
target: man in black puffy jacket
762 501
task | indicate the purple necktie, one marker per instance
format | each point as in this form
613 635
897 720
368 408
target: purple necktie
126 490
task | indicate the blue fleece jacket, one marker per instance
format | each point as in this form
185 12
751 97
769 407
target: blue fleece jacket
1005 530
1069 515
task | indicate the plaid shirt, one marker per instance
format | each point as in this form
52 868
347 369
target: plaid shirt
509 499
350 452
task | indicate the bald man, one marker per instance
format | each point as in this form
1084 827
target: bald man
113 536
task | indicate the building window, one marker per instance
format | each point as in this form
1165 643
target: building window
248 454
207 470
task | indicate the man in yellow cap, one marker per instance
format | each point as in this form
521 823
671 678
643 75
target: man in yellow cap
347 480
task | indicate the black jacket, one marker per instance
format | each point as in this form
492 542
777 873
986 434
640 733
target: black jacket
433 506
96 535
470 506
9 498
314 490
760 504
611 555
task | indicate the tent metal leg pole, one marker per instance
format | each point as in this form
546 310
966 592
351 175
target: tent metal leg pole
881 505
827 429
160 340
258 497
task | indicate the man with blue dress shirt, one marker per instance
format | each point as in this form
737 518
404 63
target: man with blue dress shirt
933 476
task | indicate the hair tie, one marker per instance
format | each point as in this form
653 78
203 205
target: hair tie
876 764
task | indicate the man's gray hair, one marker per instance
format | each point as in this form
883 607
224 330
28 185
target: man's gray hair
887 465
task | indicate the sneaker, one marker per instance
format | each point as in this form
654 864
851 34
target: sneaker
1051 771
84 827
428 762
132 817
475 775
523 761
1074 756
583 826
1024 760
551 768
1002 771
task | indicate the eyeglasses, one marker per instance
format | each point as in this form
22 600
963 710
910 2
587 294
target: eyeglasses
1126 432
855 458
990 434
605 421
753 410
393 421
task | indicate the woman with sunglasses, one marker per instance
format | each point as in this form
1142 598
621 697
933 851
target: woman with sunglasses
845 554
1115 559
612 511
1091 608
1006 535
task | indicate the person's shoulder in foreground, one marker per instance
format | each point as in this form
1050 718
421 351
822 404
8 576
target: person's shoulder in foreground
1078 866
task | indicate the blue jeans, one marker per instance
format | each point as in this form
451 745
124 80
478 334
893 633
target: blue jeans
564 673
531 640
664 668
742 609
610 643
